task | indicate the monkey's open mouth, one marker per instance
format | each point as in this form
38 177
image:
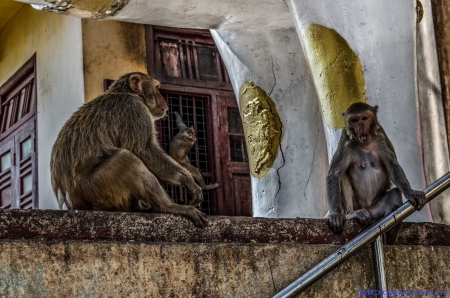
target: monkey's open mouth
363 138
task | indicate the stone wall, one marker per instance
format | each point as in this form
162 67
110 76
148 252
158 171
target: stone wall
102 254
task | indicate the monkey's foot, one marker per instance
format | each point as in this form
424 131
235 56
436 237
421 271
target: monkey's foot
144 206
362 215
198 218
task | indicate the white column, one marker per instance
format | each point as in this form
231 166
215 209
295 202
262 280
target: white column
382 34
274 60
434 134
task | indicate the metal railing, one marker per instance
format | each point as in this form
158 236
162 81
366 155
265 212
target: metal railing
361 241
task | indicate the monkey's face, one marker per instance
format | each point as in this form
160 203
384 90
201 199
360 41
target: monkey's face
360 125
153 98
189 134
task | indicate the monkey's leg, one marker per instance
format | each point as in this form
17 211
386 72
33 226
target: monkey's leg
390 201
198 178
121 180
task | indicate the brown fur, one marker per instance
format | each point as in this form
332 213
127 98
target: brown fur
107 157
362 170
179 150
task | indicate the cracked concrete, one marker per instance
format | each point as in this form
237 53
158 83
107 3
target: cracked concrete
314 155
274 77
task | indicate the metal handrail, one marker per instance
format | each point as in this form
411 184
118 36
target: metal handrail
378 261
361 241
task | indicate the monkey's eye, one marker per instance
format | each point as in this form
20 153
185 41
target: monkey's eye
365 118
354 120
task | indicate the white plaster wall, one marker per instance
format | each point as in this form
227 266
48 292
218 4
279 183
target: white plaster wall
60 91
56 41
199 14
274 60
382 33
434 135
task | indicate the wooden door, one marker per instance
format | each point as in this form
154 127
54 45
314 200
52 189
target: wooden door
25 164
18 177
233 159
196 84
18 163
7 174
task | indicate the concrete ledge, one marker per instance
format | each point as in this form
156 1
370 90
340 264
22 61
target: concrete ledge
102 254
114 226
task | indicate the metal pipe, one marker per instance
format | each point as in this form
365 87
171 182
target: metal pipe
360 241
378 262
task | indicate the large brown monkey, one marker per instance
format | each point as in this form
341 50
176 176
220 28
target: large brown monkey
179 150
107 157
362 171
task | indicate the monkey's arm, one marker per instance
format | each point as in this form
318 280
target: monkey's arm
164 167
398 177
339 164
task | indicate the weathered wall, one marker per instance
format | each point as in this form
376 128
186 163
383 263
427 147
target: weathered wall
63 254
56 40
441 18
92 269
110 49
431 110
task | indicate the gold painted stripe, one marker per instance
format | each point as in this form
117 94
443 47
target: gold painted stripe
336 71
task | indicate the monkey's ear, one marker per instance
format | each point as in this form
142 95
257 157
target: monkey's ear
136 83
343 114
375 109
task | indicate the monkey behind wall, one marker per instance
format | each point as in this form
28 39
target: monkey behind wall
179 150
359 181
107 157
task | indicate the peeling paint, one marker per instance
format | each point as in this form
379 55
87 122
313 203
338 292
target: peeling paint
97 9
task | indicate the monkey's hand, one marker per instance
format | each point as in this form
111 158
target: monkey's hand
417 198
198 218
195 190
362 215
336 222
197 195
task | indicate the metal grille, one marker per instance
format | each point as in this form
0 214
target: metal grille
193 111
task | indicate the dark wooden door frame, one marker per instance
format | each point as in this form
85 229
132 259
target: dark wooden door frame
25 126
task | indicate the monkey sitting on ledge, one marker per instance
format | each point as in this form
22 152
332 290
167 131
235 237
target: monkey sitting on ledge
107 157
179 150
361 173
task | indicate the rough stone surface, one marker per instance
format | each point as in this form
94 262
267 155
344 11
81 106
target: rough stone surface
107 254
140 227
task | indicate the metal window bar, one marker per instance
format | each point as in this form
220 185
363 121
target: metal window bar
361 241
193 111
